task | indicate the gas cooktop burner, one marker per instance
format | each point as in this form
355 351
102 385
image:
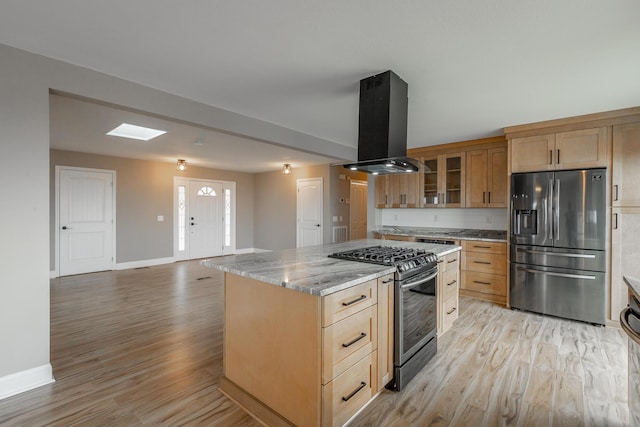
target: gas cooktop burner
405 259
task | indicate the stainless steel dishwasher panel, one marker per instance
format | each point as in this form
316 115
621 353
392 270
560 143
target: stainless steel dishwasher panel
572 294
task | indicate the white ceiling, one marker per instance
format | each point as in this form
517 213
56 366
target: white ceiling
472 66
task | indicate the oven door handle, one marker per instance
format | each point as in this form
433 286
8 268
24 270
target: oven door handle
419 281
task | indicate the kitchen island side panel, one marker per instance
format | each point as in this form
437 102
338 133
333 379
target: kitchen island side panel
272 346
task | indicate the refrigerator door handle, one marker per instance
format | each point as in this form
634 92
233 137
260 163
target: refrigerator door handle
551 273
549 223
560 254
557 208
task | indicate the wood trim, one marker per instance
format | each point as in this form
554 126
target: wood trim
607 118
251 405
486 297
455 147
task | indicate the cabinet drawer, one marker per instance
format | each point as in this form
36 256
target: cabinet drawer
485 283
349 392
347 341
449 312
485 263
344 303
450 283
486 247
449 262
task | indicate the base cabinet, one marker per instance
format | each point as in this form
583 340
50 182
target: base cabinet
292 358
625 253
484 270
447 293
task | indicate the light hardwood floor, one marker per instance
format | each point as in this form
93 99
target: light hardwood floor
144 347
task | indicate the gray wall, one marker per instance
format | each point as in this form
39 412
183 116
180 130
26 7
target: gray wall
24 146
275 207
341 189
144 190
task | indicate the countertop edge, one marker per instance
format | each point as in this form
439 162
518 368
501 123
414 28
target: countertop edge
633 284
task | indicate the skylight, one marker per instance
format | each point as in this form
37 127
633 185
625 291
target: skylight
126 130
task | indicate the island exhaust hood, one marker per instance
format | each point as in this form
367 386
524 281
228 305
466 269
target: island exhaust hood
382 130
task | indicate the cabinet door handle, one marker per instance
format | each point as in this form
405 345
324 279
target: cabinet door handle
489 197
452 260
558 159
550 157
346 304
354 392
451 311
483 200
452 283
388 280
355 340
615 222
481 283
386 199
615 192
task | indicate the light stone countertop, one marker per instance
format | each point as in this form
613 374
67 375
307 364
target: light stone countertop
310 270
633 284
447 233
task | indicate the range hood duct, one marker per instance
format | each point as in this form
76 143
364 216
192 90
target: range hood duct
382 130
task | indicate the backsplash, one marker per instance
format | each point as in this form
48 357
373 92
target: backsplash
486 219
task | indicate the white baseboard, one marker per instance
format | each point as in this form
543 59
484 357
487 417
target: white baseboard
53 274
20 382
144 263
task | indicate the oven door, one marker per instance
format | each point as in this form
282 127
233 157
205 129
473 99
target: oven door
416 314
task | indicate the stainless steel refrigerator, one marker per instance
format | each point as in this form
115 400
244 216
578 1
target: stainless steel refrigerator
558 236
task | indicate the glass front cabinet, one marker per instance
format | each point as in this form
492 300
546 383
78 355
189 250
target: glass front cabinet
443 180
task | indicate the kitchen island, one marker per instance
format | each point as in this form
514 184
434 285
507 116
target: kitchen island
308 338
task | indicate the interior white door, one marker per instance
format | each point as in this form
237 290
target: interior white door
206 209
358 210
86 221
309 212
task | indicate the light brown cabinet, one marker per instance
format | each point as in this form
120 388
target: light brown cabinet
484 270
486 177
386 325
443 180
397 190
625 190
578 149
625 215
447 293
333 353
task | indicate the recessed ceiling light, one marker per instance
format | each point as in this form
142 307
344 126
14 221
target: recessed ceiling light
126 130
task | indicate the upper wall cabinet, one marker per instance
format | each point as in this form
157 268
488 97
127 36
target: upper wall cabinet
579 149
397 190
626 165
443 181
486 178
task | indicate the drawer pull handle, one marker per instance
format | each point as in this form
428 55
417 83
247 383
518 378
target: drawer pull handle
481 283
452 260
346 304
354 392
452 283
439 261
482 262
355 340
451 311
482 247
388 280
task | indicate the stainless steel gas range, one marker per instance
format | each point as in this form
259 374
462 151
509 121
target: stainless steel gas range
416 277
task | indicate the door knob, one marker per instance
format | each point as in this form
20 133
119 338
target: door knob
64 227
317 225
